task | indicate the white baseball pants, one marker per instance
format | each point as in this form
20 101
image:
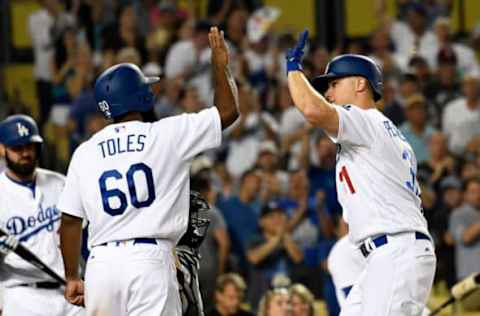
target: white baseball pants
396 281
132 280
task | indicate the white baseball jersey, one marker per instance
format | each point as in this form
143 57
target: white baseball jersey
30 214
131 179
345 264
376 176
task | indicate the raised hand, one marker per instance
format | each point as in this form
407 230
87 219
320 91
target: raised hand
294 55
219 48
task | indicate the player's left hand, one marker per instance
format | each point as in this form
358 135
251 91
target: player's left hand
74 292
7 244
219 47
294 55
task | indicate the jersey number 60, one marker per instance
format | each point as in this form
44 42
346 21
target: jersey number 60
109 193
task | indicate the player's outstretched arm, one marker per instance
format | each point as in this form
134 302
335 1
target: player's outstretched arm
318 111
226 92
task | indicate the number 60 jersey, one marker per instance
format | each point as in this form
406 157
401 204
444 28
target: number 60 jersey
131 179
376 176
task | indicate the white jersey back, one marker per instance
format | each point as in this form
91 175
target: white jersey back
31 215
376 176
131 179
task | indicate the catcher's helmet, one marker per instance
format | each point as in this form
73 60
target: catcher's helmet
17 130
197 221
351 65
124 88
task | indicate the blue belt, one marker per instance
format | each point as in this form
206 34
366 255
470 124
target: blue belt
151 241
382 240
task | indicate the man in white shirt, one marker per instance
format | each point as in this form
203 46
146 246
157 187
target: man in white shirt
190 60
461 117
410 37
376 184
43 26
467 61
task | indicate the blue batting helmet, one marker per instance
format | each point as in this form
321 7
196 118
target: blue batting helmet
17 130
124 88
351 65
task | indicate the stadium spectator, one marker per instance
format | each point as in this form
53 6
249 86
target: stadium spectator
465 228
229 295
271 252
416 129
391 107
45 27
445 86
412 35
241 215
301 300
275 302
451 197
190 60
467 63
461 117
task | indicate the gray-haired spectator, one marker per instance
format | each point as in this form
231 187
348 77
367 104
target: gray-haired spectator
461 117
467 63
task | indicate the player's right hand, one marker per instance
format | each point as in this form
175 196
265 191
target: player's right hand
7 244
219 47
74 292
294 55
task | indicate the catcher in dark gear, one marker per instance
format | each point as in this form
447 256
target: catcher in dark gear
189 256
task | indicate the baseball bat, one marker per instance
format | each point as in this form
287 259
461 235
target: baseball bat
460 291
30 257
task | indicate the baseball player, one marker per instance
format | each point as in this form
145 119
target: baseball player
28 211
131 182
376 184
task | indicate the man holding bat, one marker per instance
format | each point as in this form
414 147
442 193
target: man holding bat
28 214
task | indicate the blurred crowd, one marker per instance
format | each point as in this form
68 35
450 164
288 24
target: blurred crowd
272 184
